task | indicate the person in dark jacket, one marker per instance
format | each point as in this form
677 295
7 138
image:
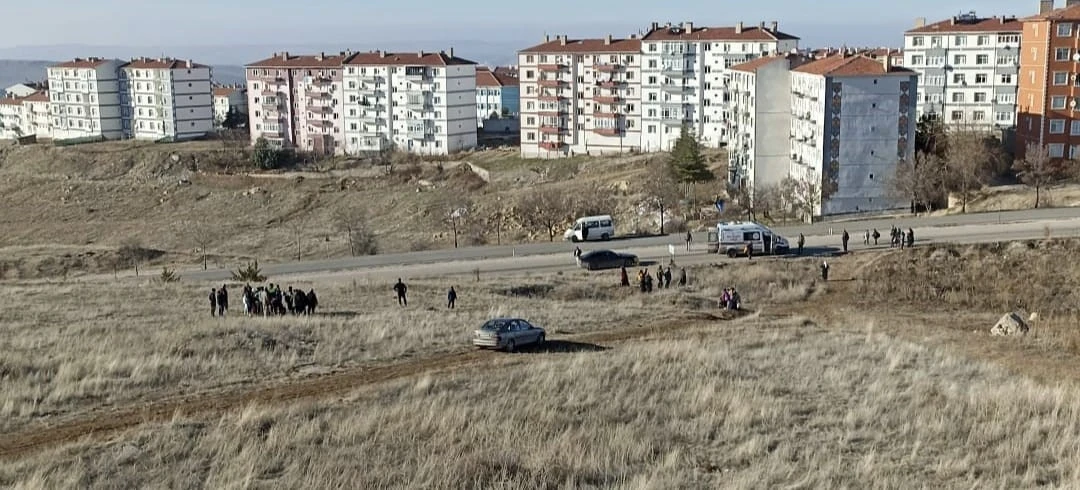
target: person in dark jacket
213 301
682 276
312 301
451 297
910 237
222 300
667 278
623 278
844 239
801 243
824 270
400 288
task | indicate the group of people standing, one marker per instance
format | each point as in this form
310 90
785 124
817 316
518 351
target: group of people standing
265 300
897 238
402 291
645 279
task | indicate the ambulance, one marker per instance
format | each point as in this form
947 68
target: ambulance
731 237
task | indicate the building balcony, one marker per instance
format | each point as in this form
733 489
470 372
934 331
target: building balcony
271 106
551 145
552 112
608 67
607 99
605 113
269 93
611 83
317 94
320 123
420 134
320 109
608 131
321 80
272 135
551 83
551 98
420 106
547 129
417 75
675 122
553 67
675 72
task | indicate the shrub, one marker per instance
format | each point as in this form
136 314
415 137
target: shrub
249 273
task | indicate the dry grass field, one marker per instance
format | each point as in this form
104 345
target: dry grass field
885 374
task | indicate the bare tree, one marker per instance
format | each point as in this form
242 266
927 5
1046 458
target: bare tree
918 181
201 236
353 222
1037 170
970 159
808 196
456 213
661 188
495 218
544 209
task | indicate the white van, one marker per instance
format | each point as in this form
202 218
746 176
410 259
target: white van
731 238
591 228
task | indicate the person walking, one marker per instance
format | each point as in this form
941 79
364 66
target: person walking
682 276
824 270
876 235
749 251
667 278
910 237
689 239
623 278
866 238
451 297
400 288
223 300
801 243
213 301
844 239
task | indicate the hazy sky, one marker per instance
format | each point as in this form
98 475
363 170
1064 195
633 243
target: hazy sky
218 22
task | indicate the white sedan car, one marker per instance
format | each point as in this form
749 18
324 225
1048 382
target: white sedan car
507 334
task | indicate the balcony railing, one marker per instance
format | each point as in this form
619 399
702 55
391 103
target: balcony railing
321 123
552 112
319 109
607 113
552 66
421 105
608 67
677 89
551 145
608 131
611 83
271 134
420 134
607 99
551 98
317 94
321 80
548 129
547 82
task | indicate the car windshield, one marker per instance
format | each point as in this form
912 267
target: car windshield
496 325
595 253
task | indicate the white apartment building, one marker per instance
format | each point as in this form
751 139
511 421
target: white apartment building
36 117
759 95
683 74
580 96
497 93
418 102
229 99
166 99
967 68
853 119
84 98
11 118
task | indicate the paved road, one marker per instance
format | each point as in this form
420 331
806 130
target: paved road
650 254
817 233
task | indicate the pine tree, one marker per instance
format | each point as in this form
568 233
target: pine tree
687 160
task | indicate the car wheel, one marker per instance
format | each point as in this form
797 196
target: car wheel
540 340
509 346
732 253
589 266
605 237
574 239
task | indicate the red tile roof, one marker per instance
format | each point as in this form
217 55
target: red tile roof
162 64
850 66
11 100
753 65
39 96
421 58
734 33
955 24
82 63
285 60
1066 13
487 78
564 45
224 91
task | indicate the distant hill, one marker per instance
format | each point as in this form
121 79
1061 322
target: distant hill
19 71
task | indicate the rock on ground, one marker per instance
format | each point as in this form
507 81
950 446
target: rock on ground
1010 324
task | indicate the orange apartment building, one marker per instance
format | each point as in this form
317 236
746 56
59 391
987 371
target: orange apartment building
1048 92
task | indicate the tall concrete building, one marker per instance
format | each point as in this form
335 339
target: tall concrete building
580 96
853 120
759 95
684 68
967 68
1048 97
166 99
84 99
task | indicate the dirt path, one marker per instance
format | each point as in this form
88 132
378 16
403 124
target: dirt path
99 425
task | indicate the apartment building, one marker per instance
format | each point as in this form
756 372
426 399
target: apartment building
1048 96
296 102
580 96
11 117
759 95
684 68
853 119
229 98
36 117
967 68
166 99
418 102
84 99
497 93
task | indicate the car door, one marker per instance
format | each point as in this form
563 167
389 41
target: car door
532 333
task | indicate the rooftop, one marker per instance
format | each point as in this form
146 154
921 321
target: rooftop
224 91
968 23
286 60
91 62
162 64
688 32
1071 12
843 65
561 44
753 65
487 78
39 96
9 100
420 58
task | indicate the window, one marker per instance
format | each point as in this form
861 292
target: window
1073 151
978 116
982 41
1061 54
1061 78
1008 38
1057 102
1057 126
982 59
1064 29
957 115
917 60
959 78
1074 128
960 59
1056 150
981 78
960 41
958 97
935 42
980 96
918 41
1006 78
